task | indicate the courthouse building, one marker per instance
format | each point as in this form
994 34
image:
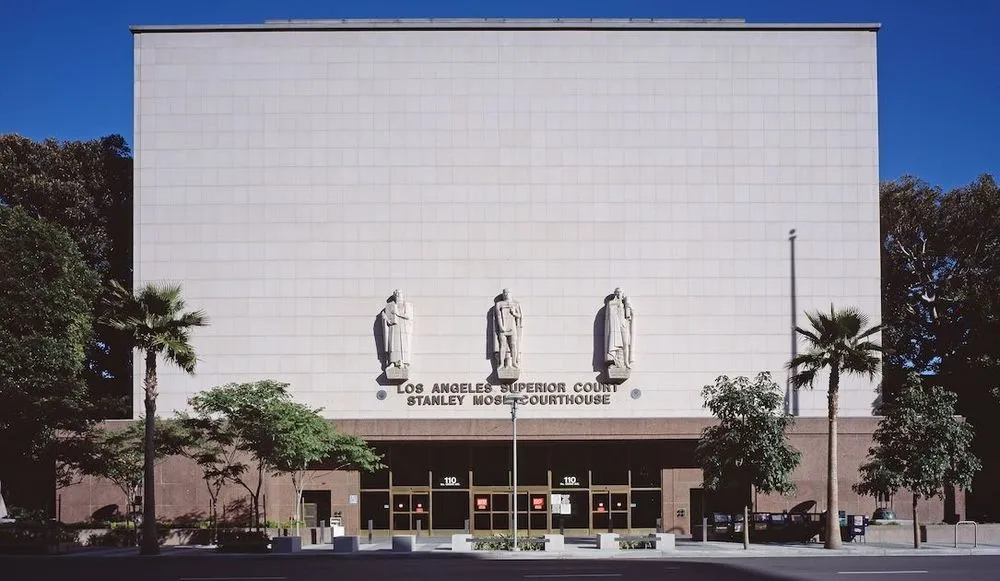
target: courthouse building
409 220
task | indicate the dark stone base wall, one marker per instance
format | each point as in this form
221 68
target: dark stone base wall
182 494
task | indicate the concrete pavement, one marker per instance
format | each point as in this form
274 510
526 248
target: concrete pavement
584 548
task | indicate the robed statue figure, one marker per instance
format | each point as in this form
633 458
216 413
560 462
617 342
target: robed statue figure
619 331
507 331
397 330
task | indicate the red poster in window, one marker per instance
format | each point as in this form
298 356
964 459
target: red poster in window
482 503
537 503
600 507
420 508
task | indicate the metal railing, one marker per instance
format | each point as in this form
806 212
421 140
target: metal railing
975 532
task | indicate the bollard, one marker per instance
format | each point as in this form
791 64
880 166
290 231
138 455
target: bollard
322 532
659 525
418 528
562 526
704 529
466 529
370 526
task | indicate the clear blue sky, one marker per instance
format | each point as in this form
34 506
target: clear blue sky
66 65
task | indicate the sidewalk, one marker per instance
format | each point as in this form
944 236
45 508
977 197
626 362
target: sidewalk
576 548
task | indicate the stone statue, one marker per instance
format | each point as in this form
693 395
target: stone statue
507 332
619 334
397 332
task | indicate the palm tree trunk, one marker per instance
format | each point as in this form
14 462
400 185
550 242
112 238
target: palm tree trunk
832 506
150 544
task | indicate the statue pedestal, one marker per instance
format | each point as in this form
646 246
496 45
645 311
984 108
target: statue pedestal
617 374
397 374
508 374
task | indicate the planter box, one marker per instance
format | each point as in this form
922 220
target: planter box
286 544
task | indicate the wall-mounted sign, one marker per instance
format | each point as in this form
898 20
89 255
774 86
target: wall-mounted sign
540 394
449 482
482 503
537 503
352 499
569 480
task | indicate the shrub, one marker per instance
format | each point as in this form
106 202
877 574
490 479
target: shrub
649 543
242 541
114 537
502 542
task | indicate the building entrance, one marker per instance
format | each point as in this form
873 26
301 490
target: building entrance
609 509
411 509
492 511
579 488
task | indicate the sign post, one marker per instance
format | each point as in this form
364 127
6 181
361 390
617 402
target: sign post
514 401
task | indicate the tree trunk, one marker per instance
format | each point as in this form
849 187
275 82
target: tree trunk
256 497
916 524
746 527
150 544
832 506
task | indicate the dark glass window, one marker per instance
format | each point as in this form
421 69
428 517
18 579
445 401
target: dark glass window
646 466
609 463
490 465
375 508
380 478
450 466
451 509
410 466
532 465
570 466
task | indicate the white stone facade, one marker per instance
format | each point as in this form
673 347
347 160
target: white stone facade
291 177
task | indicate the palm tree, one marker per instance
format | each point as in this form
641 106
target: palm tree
155 320
838 342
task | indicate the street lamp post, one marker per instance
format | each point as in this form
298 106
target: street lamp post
514 401
793 394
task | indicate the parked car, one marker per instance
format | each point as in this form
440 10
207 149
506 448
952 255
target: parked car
883 514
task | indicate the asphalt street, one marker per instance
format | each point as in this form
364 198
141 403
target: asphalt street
438 568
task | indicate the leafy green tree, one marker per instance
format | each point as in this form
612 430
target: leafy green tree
839 343
45 293
920 446
941 307
303 438
159 326
207 442
748 448
282 436
85 187
118 455
115 455
242 412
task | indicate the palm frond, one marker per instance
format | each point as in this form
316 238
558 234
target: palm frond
155 318
870 332
804 378
807 334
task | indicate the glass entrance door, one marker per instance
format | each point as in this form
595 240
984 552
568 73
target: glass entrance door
492 514
609 510
490 511
411 510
